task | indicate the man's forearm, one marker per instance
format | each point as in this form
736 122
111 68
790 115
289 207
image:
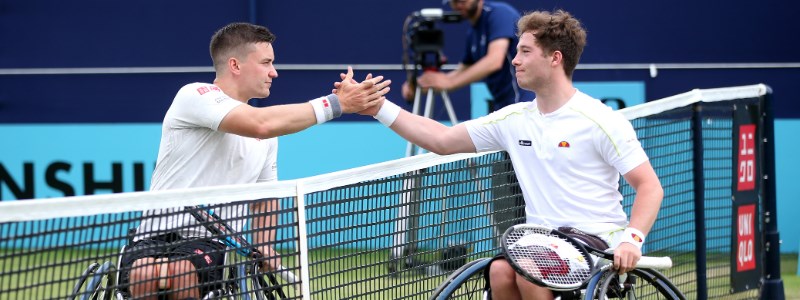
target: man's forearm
472 73
645 207
263 222
483 67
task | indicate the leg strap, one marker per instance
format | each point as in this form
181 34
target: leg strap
164 273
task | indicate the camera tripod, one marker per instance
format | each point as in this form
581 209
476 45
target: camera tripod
412 149
405 256
422 42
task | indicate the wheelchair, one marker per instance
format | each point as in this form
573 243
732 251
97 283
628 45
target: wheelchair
470 282
242 280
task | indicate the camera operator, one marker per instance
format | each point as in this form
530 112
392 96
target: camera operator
490 46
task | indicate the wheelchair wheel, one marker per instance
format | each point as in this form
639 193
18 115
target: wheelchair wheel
466 282
266 290
101 284
640 284
82 280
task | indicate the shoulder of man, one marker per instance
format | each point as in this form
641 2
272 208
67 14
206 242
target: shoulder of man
591 106
500 6
192 94
207 91
500 13
198 88
507 113
599 112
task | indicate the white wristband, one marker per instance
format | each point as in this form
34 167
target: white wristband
388 113
326 108
633 236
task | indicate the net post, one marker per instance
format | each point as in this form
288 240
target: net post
302 240
772 287
699 202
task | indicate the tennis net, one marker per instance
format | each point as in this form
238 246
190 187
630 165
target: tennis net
392 230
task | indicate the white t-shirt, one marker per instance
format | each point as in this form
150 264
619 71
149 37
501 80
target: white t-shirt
568 162
193 153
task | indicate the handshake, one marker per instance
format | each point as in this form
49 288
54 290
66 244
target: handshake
365 97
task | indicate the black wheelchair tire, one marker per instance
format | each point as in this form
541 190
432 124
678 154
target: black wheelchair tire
82 280
262 288
101 284
661 287
461 277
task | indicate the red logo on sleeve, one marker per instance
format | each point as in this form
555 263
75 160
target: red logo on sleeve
208 88
636 237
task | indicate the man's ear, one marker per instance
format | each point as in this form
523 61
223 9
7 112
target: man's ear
233 65
557 58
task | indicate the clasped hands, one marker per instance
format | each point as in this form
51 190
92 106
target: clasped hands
362 97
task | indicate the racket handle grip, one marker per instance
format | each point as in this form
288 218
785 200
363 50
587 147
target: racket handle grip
652 262
287 275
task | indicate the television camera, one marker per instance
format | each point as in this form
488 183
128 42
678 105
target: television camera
422 48
423 42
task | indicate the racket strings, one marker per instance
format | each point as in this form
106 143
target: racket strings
548 258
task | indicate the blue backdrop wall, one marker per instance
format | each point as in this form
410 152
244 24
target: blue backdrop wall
84 84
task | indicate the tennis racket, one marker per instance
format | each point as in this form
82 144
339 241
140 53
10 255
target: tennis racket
550 258
214 224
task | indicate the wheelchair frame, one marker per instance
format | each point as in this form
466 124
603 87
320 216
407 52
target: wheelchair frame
101 281
469 281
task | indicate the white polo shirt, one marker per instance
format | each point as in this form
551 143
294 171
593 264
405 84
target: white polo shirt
568 162
193 153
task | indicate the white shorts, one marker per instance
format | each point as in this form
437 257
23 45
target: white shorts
610 233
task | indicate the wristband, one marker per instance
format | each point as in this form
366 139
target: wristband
326 108
633 236
388 113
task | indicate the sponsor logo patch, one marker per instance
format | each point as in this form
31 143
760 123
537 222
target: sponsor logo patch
524 142
205 89
205 257
636 237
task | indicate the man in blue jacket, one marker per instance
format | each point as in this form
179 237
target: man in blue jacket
489 49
